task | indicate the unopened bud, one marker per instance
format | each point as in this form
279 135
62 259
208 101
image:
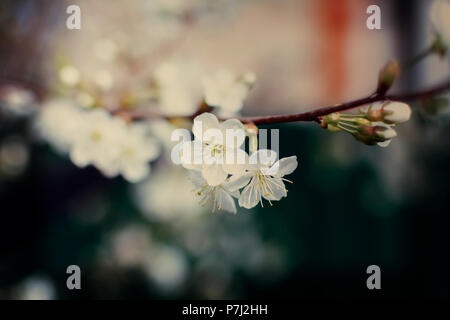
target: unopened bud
335 116
372 135
366 130
330 121
374 114
387 76
333 128
362 121
396 112
365 139
385 133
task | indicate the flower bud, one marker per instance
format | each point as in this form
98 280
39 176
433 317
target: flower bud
368 140
330 120
374 114
396 112
372 135
385 133
362 121
333 128
335 116
387 76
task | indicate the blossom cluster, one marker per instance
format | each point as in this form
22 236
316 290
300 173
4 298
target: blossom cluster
84 124
220 168
373 125
98 138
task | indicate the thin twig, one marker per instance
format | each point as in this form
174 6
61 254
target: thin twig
316 114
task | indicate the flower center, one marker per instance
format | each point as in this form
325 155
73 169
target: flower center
217 150
96 135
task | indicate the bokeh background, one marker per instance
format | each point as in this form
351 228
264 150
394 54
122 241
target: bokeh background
350 206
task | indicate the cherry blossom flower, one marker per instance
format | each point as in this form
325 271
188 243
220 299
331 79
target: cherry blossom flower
137 150
265 175
215 155
223 89
59 122
96 140
114 147
219 196
179 90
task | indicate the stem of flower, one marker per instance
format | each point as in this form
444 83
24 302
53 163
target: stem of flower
346 129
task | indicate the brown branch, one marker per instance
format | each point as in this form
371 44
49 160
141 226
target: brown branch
316 114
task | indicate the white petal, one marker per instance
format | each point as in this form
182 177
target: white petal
196 178
191 155
264 157
250 196
233 124
276 189
384 144
235 194
284 166
236 182
225 201
235 161
397 112
214 174
204 122
233 133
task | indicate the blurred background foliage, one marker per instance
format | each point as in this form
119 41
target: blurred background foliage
350 205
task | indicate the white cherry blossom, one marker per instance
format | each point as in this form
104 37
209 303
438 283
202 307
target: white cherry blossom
59 122
96 141
223 89
137 149
113 146
215 150
265 177
179 89
220 197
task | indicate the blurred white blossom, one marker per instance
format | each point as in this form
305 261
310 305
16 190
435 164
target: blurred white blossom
59 122
179 87
14 156
113 146
167 267
130 245
440 17
167 195
69 75
106 49
223 89
18 101
98 138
